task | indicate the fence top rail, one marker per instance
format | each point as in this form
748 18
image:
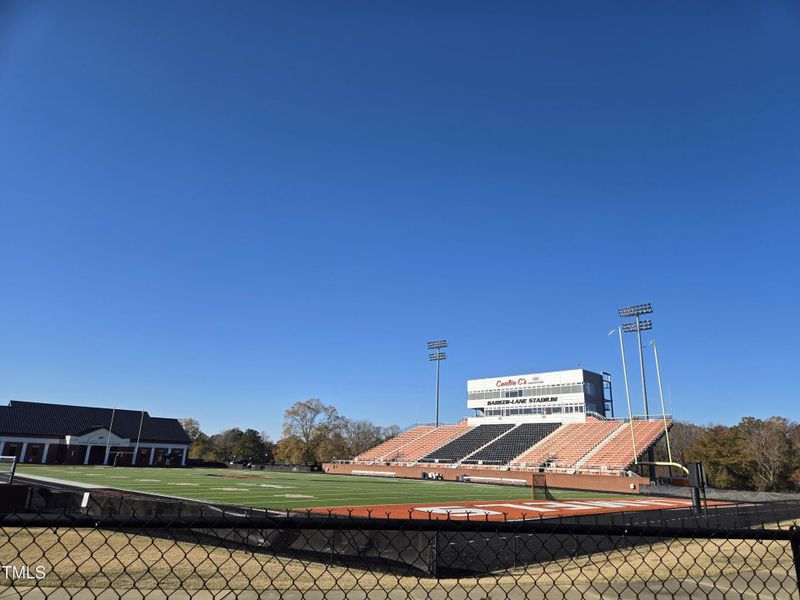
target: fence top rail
694 527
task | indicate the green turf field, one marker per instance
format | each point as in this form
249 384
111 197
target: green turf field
278 490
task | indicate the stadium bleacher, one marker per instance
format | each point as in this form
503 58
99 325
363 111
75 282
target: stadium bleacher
429 442
466 444
596 445
512 444
392 445
618 453
569 444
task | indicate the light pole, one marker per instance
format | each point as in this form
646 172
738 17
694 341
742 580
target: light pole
627 392
661 395
638 310
438 356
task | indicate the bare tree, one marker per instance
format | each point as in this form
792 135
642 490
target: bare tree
769 447
681 436
191 427
309 422
361 436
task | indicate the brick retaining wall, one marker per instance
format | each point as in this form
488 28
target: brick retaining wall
598 483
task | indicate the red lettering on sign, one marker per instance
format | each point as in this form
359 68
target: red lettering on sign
507 382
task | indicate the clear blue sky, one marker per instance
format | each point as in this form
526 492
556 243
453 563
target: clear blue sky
219 209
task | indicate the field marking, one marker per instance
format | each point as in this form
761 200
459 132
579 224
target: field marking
308 490
292 496
512 510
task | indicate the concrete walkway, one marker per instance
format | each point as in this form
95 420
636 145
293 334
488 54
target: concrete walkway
27 478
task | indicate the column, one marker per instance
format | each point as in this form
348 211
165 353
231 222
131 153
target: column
46 450
183 458
88 448
152 455
22 454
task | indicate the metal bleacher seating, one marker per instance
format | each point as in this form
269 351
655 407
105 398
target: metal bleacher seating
427 443
568 445
392 445
512 444
618 453
466 444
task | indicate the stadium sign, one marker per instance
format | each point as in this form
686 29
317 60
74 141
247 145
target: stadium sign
521 400
508 382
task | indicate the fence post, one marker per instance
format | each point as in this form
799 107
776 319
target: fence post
795 542
435 555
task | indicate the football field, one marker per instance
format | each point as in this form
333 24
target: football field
280 490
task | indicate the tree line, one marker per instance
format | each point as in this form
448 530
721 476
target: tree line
312 433
754 454
228 445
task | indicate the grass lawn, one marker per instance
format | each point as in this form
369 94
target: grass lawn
262 489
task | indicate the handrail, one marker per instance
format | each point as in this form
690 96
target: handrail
596 415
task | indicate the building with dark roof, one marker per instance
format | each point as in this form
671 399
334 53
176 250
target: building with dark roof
36 433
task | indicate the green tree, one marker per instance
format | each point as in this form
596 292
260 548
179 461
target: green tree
202 448
332 446
722 450
251 447
290 450
225 444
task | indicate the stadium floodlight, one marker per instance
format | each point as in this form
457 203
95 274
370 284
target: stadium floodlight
638 310
437 357
643 325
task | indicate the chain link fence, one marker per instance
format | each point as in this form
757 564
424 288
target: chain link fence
739 552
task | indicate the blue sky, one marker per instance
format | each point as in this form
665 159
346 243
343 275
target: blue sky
216 210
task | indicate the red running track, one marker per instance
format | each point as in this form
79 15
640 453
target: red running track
511 510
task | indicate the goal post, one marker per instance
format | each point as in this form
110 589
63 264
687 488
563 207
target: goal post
8 466
121 458
539 489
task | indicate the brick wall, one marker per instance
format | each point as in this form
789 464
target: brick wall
597 483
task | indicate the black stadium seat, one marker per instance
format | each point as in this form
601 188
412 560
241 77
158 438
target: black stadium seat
511 445
466 444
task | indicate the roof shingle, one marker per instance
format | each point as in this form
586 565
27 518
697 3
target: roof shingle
59 420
